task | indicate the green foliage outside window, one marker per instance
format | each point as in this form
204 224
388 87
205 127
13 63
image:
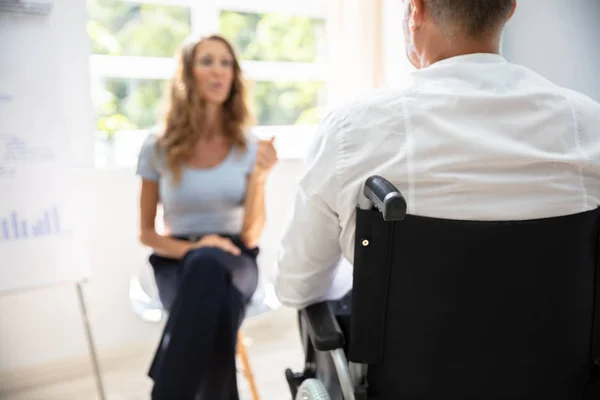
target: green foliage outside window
120 28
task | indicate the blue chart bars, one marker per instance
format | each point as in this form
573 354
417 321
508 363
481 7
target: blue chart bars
15 227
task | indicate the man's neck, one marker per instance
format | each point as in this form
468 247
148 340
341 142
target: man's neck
458 47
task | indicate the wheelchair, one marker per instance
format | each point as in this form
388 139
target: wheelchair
460 310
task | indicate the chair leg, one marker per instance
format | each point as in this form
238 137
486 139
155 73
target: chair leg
241 350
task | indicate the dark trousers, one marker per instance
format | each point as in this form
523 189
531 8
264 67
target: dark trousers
206 294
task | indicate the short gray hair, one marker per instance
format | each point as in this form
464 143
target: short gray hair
473 18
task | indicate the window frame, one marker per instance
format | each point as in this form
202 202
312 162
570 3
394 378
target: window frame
205 19
103 66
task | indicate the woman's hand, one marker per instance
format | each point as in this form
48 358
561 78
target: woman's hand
219 242
266 158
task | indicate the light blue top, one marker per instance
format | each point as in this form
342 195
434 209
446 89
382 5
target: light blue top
206 200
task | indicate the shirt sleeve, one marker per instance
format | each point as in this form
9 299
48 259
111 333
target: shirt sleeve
147 163
310 252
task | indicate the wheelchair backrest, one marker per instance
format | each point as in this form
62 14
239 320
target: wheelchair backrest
459 308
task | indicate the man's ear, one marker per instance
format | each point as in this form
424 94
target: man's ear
514 8
417 13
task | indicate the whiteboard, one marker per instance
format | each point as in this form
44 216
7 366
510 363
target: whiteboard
40 242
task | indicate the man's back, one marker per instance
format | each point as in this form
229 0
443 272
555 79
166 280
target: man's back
473 137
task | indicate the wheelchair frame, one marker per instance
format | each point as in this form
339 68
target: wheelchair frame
323 329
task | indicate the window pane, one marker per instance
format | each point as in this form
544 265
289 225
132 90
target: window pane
129 104
126 104
132 29
274 37
288 103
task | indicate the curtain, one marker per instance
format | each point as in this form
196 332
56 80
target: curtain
356 48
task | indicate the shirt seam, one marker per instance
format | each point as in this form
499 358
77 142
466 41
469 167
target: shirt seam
337 165
578 145
410 170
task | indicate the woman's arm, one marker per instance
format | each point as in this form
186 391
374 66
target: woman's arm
254 210
254 205
163 246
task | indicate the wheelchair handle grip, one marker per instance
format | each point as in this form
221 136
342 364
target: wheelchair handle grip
386 197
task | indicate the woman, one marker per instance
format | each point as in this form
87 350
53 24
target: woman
209 178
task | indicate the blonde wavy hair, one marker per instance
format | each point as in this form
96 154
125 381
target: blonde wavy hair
185 109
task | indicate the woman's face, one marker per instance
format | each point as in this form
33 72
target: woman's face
213 71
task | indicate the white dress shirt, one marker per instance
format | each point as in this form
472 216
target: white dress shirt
472 137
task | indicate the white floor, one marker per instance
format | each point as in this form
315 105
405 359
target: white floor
273 345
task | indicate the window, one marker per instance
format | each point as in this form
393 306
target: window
125 103
121 28
288 103
274 37
280 38
282 47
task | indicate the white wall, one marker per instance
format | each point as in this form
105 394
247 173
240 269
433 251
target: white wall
558 39
44 325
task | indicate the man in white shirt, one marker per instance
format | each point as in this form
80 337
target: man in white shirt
470 136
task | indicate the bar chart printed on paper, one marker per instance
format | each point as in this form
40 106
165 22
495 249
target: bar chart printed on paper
16 226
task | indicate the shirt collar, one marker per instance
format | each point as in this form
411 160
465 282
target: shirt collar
476 58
